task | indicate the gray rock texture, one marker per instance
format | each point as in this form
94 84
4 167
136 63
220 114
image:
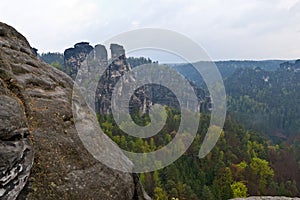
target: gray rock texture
35 113
74 57
114 69
16 152
268 198
117 51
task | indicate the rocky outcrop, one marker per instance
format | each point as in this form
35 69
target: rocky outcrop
117 51
101 53
74 57
115 68
288 66
35 112
268 198
16 152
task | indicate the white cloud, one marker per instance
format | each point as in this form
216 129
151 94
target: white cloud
230 29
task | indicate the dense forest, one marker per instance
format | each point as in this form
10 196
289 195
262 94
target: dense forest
258 151
266 95
270 98
134 62
57 60
54 59
226 68
242 163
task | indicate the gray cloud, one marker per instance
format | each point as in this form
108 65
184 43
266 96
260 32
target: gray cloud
233 29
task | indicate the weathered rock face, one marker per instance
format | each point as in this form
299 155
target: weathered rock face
115 68
117 51
297 64
110 77
268 198
74 57
16 154
35 105
289 66
101 53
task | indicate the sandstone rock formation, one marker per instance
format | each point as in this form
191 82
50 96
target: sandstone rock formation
290 66
74 57
35 112
16 152
268 198
115 68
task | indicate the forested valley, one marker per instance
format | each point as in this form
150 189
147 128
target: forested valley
258 150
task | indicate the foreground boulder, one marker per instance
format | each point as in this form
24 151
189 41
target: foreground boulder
16 154
35 113
268 198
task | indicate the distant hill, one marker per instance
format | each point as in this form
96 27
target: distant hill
264 91
227 68
270 99
41 154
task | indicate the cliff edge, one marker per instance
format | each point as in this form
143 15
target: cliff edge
39 145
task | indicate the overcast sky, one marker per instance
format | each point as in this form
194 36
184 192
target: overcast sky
231 29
